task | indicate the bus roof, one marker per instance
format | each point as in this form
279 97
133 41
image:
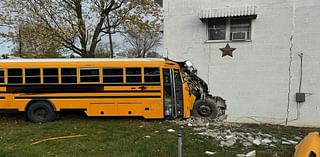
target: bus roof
84 60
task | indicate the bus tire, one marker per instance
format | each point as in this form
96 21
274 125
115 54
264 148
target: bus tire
205 109
41 112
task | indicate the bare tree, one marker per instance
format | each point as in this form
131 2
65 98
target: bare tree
144 38
79 24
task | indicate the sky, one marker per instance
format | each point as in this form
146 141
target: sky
5 47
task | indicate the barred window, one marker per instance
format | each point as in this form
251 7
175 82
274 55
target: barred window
69 75
32 76
89 75
151 75
15 76
133 75
50 75
1 75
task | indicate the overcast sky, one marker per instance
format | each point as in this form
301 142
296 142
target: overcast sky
5 47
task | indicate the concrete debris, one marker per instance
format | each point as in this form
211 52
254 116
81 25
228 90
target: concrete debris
292 142
289 142
228 134
228 143
256 142
199 122
247 144
266 141
285 142
251 154
298 138
209 153
200 129
250 138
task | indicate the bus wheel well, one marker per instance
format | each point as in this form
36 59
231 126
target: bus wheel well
33 101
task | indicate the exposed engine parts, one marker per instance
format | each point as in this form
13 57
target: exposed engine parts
206 105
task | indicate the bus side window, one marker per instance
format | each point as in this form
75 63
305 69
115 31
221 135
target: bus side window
32 76
151 75
89 75
1 75
15 76
69 75
133 75
112 75
50 75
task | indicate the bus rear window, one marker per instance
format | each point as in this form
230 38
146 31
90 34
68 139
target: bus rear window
112 75
133 75
69 75
15 76
50 75
151 75
89 75
1 75
32 76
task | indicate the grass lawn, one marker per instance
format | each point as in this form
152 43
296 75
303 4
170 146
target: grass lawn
122 137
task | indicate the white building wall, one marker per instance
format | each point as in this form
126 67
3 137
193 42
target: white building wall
255 81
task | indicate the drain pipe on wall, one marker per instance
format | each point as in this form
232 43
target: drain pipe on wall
300 84
290 58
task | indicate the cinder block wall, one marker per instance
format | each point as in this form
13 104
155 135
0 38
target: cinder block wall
256 81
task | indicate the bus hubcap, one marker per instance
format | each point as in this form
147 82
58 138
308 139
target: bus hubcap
41 113
204 110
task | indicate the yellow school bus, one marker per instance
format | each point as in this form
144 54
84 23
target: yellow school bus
151 88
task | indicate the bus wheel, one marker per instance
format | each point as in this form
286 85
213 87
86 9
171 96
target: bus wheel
40 112
205 109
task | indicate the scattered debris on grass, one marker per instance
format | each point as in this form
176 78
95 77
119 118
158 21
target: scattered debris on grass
56 138
147 136
250 154
209 153
171 130
235 135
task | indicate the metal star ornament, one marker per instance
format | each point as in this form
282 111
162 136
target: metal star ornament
227 51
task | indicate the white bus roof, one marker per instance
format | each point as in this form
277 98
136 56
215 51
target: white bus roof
82 60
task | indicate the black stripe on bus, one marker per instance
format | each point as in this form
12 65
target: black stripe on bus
75 91
2 97
80 97
103 84
70 89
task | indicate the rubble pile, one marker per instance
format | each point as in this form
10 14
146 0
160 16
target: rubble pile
229 134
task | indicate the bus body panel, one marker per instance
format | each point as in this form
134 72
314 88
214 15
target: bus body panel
125 99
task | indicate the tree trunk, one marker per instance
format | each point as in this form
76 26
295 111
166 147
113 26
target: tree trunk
110 37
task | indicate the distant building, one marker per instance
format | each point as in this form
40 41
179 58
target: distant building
262 78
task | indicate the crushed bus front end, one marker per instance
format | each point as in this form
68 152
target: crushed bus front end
203 104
